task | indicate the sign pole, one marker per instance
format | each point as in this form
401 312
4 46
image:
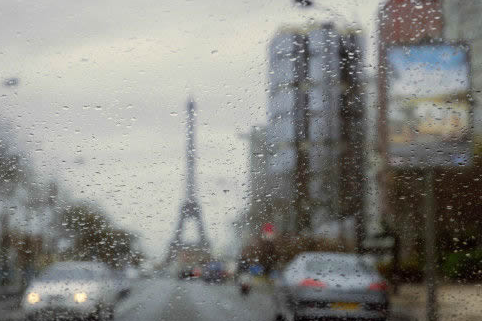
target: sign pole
430 265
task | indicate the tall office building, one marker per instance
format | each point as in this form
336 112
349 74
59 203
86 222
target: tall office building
310 128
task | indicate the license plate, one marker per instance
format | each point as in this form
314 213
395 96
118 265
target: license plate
345 306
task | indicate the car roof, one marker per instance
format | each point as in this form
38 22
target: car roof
303 258
306 256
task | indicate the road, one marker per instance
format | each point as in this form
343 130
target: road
165 299
168 299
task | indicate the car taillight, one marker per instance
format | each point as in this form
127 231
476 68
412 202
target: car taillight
196 272
312 283
379 286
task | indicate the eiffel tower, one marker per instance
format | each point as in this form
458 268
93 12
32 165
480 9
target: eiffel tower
190 209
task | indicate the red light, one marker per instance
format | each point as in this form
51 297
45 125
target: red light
196 272
268 228
381 286
312 283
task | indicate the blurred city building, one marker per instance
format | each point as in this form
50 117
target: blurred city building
308 161
259 210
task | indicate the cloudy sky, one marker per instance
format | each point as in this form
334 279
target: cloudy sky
102 92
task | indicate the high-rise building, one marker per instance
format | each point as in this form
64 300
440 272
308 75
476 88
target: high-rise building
258 211
314 135
303 128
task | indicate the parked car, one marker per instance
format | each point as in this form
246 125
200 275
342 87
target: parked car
330 285
73 290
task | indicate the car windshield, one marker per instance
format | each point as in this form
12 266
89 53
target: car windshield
201 152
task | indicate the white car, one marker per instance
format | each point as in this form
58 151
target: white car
334 286
86 290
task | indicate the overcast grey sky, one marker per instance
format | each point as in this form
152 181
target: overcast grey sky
107 81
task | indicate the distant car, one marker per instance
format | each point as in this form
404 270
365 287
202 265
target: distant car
330 286
185 273
85 290
214 272
189 272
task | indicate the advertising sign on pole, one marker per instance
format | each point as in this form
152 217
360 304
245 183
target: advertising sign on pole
429 124
428 112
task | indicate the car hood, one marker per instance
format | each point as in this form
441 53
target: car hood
62 287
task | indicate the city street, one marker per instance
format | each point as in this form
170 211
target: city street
167 299
164 299
159 160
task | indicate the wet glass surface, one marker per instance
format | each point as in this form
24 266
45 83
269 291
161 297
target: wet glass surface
175 157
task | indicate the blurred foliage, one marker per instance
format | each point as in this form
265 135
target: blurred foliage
463 265
458 205
409 271
95 237
461 255
24 193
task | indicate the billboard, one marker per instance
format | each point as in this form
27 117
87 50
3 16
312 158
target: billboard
428 112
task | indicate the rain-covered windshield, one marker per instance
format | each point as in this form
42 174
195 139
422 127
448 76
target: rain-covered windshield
202 151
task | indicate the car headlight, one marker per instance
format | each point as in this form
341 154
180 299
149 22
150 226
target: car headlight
33 297
80 297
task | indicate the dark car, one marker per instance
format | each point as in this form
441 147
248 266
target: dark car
189 273
214 272
330 285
